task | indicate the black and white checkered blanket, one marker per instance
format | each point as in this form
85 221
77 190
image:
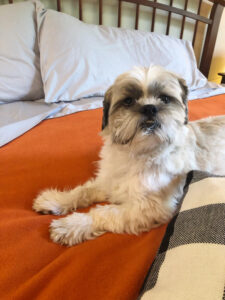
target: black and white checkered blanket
190 264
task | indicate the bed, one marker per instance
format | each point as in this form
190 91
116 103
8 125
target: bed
61 152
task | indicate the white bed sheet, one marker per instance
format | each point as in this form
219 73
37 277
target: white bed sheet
16 118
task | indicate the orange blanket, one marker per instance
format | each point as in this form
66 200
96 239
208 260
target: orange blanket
61 153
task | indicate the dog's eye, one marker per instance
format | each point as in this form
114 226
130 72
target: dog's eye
128 101
166 99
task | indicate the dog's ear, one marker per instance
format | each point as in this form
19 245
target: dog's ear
184 88
106 106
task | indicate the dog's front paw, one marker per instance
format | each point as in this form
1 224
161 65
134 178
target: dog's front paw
51 202
72 230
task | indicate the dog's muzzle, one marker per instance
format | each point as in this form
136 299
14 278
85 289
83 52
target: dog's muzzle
149 113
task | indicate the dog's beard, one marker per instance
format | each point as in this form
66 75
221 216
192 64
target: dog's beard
130 128
125 127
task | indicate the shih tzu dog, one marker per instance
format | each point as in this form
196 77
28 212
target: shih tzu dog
149 147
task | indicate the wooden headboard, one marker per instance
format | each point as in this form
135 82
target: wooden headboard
212 22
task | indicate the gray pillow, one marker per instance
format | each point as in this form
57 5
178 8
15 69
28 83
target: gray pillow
20 77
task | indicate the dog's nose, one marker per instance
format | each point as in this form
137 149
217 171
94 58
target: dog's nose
149 110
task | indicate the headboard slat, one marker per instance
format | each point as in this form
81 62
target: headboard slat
169 19
137 16
100 12
119 13
58 5
80 10
183 20
153 19
196 23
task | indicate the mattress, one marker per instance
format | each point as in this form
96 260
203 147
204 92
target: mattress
61 153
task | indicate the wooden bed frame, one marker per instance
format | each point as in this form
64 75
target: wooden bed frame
212 22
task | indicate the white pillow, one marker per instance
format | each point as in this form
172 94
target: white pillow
81 60
20 77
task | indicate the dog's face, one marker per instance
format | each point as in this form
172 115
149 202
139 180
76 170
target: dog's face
145 104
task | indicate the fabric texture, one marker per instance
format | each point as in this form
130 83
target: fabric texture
18 117
20 77
83 60
190 262
61 153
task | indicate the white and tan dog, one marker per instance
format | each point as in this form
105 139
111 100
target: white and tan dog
149 147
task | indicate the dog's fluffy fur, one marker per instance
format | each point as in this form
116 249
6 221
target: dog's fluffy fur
149 147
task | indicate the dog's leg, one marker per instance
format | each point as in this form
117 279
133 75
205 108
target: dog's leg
123 218
61 202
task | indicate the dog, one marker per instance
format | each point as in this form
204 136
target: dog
149 148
